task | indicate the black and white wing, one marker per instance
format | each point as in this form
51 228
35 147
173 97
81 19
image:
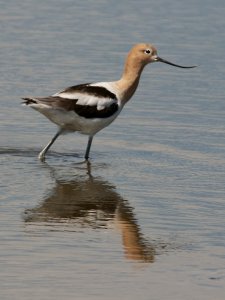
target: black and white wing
86 100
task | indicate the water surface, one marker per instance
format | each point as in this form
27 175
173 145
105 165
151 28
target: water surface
146 217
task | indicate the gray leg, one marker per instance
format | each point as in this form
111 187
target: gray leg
41 155
88 147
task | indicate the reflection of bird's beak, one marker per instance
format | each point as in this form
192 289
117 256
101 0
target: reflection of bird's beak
169 63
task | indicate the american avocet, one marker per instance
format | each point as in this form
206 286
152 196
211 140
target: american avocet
88 108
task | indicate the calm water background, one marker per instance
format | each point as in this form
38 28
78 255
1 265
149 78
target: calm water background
146 220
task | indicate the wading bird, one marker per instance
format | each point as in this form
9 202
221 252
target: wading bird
88 108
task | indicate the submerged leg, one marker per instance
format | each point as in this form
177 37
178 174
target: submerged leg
41 155
88 147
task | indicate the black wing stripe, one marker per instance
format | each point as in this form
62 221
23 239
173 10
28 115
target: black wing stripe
91 112
97 91
86 111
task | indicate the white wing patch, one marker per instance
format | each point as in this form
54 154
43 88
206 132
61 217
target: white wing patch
88 99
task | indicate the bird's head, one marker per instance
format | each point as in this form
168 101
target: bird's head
144 54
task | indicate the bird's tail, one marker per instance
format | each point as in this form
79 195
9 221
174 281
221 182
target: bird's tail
28 101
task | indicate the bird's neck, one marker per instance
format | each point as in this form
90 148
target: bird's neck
129 80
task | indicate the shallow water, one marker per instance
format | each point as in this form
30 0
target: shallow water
146 217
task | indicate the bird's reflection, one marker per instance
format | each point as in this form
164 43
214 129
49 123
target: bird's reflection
86 201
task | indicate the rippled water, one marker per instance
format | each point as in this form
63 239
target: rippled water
145 219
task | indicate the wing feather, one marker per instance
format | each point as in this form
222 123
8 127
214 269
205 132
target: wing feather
85 100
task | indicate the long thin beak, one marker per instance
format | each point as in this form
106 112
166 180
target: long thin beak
169 63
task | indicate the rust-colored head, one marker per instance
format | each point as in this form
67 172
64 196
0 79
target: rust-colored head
143 54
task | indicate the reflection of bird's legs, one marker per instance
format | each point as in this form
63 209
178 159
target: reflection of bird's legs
87 163
89 169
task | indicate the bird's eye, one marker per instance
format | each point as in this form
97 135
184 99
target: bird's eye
148 51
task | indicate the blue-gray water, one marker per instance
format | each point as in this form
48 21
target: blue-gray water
146 220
